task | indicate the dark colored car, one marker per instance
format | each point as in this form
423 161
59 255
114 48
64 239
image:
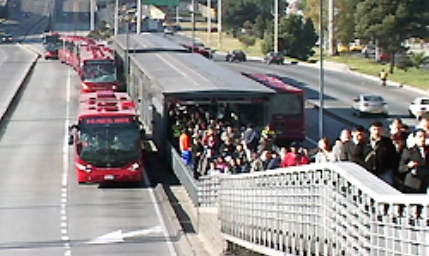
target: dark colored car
274 57
236 55
205 51
5 38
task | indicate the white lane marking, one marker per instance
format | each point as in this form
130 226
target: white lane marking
119 236
158 214
311 140
3 57
64 174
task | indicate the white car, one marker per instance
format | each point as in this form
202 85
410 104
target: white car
367 104
168 31
419 106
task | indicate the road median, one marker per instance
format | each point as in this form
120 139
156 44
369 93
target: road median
12 98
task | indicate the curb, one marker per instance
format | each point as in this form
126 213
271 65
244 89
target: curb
181 242
13 96
30 49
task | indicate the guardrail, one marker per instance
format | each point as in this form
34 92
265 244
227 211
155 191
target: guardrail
322 209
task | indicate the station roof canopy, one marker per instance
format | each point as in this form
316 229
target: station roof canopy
176 72
191 75
145 42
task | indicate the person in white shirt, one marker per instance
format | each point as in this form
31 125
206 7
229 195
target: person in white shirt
325 153
424 125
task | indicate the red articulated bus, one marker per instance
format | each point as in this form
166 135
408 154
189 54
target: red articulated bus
286 109
107 139
65 48
68 53
79 42
51 44
97 69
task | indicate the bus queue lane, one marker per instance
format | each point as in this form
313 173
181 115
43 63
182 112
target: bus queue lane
43 211
31 155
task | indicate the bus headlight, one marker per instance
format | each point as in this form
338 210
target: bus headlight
134 167
114 87
85 168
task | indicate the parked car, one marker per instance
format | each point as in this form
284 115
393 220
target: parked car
368 51
354 47
236 55
366 104
342 48
274 57
5 38
419 106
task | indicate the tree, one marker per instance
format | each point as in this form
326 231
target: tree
236 12
391 22
267 45
247 40
418 59
344 21
297 37
259 26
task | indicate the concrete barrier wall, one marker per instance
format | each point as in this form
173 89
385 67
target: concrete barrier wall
12 97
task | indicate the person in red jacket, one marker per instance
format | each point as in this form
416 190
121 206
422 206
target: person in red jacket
294 157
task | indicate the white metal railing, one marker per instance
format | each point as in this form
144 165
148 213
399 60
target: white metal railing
322 209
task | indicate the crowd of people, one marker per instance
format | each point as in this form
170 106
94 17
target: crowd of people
209 145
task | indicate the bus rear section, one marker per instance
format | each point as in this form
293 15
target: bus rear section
286 109
97 70
107 139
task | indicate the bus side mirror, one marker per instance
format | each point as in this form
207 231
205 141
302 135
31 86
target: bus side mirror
71 139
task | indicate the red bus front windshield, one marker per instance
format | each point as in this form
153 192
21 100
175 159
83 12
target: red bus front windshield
98 71
106 142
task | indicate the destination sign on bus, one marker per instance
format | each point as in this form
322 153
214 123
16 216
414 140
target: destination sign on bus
107 120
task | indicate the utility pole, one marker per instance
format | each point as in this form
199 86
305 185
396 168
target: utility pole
139 17
116 17
331 32
276 25
177 15
321 71
219 24
193 24
209 20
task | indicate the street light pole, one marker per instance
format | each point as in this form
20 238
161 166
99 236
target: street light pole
139 17
331 14
209 21
276 25
321 71
92 15
116 17
193 24
127 61
219 24
177 15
